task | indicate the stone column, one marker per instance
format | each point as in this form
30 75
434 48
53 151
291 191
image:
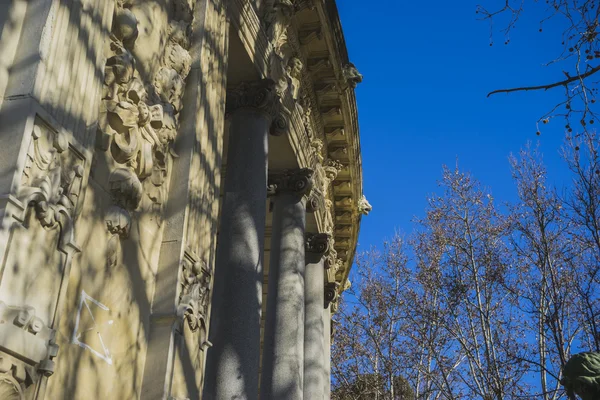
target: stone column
233 362
283 348
327 327
314 304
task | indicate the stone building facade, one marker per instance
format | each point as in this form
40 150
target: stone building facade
180 197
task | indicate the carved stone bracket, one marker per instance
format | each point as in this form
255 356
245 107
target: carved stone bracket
27 351
298 182
194 296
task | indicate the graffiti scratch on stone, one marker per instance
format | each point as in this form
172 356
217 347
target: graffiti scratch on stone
86 322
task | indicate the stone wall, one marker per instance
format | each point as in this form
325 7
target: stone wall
98 267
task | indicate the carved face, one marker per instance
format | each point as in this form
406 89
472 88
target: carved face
144 116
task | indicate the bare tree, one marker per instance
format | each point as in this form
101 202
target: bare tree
545 285
577 53
370 358
583 203
473 269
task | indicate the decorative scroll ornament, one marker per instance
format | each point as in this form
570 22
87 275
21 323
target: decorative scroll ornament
351 75
32 350
364 207
318 243
194 296
299 182
315 200
331 292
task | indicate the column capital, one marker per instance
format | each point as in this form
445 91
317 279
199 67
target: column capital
296 181
331 292
317 244
262 97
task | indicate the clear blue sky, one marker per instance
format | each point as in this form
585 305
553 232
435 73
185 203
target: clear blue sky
427 68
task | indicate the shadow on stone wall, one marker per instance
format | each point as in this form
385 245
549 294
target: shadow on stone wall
101 301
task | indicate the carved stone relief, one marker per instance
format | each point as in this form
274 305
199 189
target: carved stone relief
52 178
364 207
299 182
351 75
194 297
32 349
139 119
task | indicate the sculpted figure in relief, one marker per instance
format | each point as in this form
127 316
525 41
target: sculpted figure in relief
351 75
138 120
194 297
364 207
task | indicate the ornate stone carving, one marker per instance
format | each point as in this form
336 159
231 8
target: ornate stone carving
332 169
298 182
261 96
315 200
194 296
331 292
351 75
317 243
138 118
277 18
52 178
364 207
317 146
30 350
